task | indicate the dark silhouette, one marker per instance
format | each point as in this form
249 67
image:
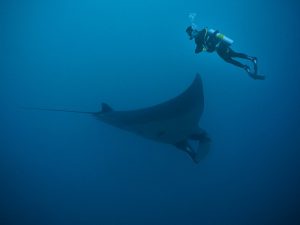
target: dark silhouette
211 40
174 122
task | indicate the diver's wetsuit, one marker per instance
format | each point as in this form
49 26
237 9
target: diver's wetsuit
226 53
210 42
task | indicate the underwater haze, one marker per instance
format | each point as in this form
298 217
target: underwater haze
64 169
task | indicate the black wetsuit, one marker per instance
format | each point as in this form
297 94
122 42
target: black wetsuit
205 41
209 42
226 53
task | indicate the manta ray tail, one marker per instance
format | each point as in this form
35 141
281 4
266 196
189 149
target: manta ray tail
57 110
105 109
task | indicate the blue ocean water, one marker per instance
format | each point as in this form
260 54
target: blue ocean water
58 168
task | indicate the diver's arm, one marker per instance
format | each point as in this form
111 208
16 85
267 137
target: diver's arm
200 41
199 48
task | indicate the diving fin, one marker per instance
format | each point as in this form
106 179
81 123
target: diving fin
254 75
257 77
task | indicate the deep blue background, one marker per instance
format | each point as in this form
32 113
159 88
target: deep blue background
60 168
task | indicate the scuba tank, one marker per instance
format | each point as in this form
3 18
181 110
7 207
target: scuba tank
222 37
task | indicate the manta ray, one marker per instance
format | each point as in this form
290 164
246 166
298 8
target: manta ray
174 122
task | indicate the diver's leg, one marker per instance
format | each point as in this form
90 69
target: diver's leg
226 56
234 54
234 62
253 59
226 53
254 74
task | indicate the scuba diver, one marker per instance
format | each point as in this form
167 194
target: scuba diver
211 40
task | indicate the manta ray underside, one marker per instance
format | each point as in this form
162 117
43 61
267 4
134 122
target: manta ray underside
174 122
